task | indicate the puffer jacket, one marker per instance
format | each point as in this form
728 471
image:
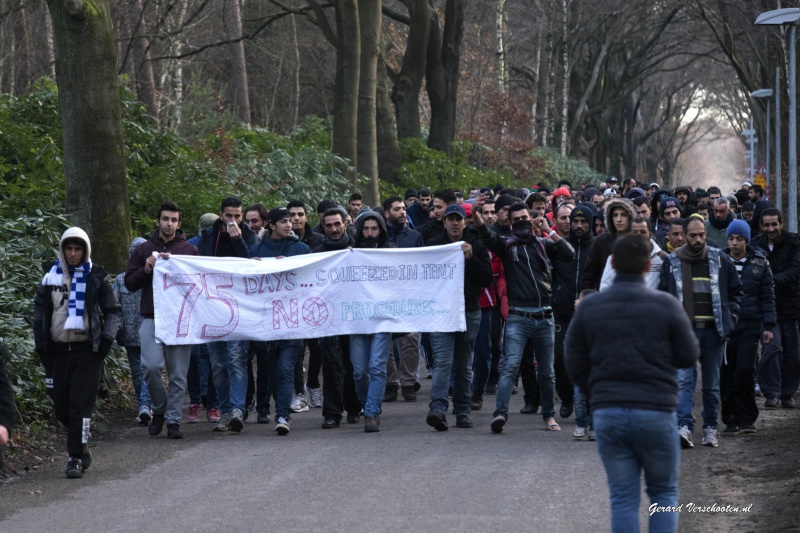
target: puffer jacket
758 293
269 247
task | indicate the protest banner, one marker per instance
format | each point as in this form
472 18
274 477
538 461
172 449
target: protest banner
360 291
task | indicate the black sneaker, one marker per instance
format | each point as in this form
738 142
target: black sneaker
409 394
437 420
497 424
771 403
262 418
463 421
789 403
330 423
566 410
74 468
529 409
491 388
174 431
748 428
390 393
353 418
476 404
237 420
156 425
731 430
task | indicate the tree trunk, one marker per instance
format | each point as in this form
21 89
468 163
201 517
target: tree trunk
564 78
241 93
388 148
51 48
144 81
369 19
345 108
500 52
296 111
442 74
91 115
408 82
27 73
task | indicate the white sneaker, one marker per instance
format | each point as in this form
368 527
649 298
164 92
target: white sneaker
315 397
580 433
282 426
710 437
299 403
685 437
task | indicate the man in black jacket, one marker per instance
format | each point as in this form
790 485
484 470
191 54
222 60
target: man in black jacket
631 381
567 281
757 319
454 349
435 226
527 258
779 370
338 388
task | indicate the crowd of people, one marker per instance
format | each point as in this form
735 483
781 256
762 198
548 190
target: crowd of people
530 257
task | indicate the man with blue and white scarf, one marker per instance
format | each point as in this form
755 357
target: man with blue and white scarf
76 317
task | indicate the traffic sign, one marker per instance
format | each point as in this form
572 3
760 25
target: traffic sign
760 179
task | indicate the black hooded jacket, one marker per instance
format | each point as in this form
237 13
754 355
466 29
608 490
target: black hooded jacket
477 269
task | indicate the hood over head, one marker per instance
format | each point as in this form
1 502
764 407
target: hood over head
365 214
134 244
74 233
609 206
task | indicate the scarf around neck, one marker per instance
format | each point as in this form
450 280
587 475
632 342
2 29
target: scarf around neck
77 290
687 257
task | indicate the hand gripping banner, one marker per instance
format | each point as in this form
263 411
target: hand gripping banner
360 291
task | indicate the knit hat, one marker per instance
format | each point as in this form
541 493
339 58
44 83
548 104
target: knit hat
563 191
636 192
504 200
667 202
739 227
582 210
410 193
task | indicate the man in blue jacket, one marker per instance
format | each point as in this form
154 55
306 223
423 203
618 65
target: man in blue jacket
706 283
632 384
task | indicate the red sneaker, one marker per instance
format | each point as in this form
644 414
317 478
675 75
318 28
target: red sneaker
213 415
194 413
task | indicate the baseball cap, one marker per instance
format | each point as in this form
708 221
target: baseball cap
277 214
455 209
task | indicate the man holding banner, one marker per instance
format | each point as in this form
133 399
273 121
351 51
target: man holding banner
280 355
167 239
453 349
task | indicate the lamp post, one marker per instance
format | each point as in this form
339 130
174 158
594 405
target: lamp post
778 162
779 17
765 93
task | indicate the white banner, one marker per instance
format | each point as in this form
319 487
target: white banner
203 299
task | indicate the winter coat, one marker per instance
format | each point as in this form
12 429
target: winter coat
651 278
623 345
758 292
726 288
477 269
404 237
216 243
603 245
568 276
269 247
784 260
311 238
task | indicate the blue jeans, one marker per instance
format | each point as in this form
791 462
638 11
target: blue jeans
199 382
454 350
281 358
779 370
369 355
540 333
632 440
137 375
229 372
712 350
583 412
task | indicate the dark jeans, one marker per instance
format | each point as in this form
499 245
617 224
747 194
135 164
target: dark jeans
281 358
314 363
338 387
484 349
530 381
779 371
198 380
564 387
265 381
498 326
73 381
736 379
453 351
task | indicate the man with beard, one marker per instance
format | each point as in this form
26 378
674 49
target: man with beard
338 388
717 224
707 285
435 226
527 259
779 370
682 194
394 210
567 280
452 351
418 211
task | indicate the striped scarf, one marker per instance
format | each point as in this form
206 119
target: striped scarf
77 290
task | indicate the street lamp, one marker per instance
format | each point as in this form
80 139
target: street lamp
779 17
764 93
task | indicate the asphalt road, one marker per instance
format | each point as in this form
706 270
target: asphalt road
408 477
